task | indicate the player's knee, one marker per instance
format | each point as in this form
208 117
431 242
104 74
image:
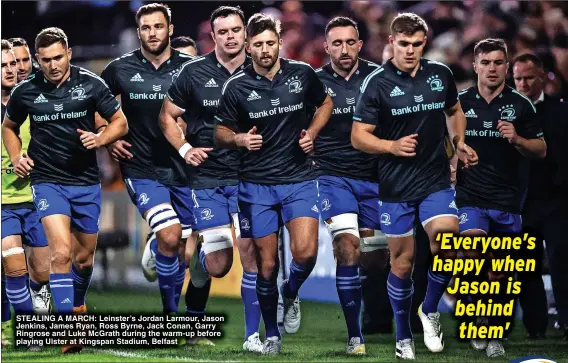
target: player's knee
219 263
346 249
375 260
401 263
14 262
268 269
61 257
169 239
39 261
247 254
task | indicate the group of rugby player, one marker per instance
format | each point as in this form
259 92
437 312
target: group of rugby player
270 142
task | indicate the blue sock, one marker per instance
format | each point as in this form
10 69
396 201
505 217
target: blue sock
18 294
61 286
6 312
202 260
250 301
437 284
400 295
180 278
81 282
267 292
167 268
349 292
298 274
36 286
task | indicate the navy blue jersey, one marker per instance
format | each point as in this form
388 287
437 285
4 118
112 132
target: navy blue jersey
55 115
197 90
499 180
279 110
333 152
142 89
400 105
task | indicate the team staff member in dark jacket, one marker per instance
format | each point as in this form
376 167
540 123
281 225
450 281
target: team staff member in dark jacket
544 213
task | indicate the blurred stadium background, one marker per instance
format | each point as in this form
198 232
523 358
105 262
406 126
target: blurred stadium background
100 31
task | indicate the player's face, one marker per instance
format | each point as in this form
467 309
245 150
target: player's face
24 60
9 70
154 32
264 48
343 46
407 49
54 61
491 68
188 50
529 80
228 33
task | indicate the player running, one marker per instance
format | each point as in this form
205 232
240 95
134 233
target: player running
347 183
61 101
153 172
263 109
502 128
402 114
214 176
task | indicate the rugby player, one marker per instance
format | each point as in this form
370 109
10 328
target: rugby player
24 62
61 101
214 172
264 109
503 129
185 45
346 177
403 112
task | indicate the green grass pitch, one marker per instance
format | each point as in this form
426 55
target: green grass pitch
321 338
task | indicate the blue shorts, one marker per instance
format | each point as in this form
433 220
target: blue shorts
214 207
264 208
24 222
338 195
146 194
397 219
489 220
81 203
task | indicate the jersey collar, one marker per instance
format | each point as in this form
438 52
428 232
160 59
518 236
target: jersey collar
51 86
283 66
213 59
360 67
391 67
173 56
506 90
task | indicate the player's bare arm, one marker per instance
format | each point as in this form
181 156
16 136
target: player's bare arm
363 139
531 148
22 163
320 119
169 115
117 128
456 121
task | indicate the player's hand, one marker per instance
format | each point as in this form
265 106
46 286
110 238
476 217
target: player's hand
118 150
89 139
23 166
196 155
507 129
250 140
306 141
405 146
466 154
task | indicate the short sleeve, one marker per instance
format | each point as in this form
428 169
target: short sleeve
105 102
180 91
316 89
227 112
530 126
451 90
15 109
368 103
109 75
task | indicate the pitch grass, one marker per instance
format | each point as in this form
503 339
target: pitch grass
322 338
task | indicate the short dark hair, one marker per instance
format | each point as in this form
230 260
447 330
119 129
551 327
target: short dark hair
408 24
224 11
260 22
6 45
18 42
341 21
528 57
183 41
152 8
49 36
490 45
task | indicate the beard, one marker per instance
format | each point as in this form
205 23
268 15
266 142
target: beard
264 63
345 66
160 48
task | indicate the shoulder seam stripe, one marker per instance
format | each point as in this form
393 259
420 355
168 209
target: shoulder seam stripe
368 78
240 74
88 73
526 98
441 64
32 76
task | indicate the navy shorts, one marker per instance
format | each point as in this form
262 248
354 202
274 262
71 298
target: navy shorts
24 222
397 219
264 207
81 203
339 195
489 220
147 194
